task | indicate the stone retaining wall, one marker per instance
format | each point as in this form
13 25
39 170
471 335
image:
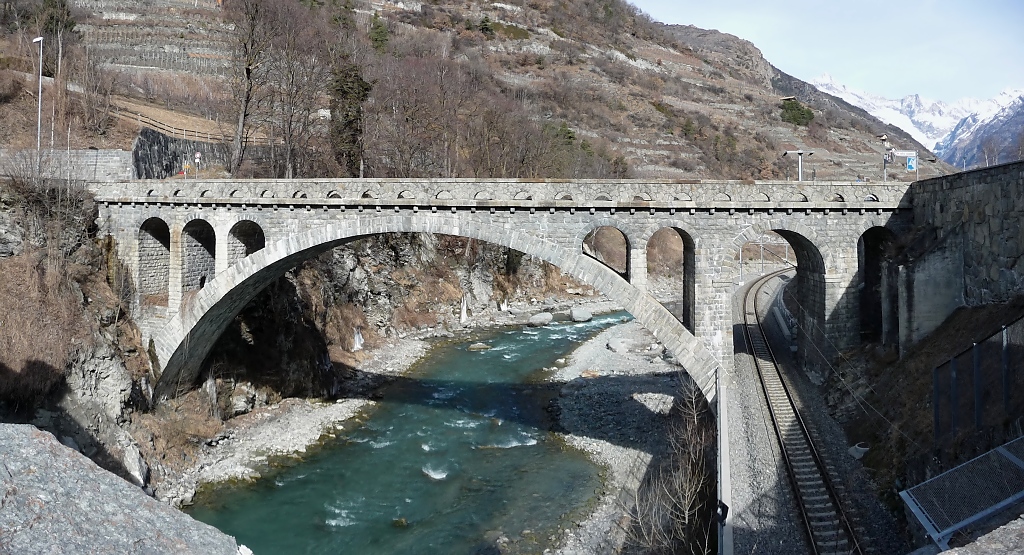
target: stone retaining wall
77 165
979 214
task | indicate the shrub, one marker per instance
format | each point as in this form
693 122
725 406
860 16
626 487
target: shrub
796 113
11 86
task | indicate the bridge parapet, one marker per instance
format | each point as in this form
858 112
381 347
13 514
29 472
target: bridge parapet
516 192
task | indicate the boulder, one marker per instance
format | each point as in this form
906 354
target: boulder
539 320
619 345
479 347
580 314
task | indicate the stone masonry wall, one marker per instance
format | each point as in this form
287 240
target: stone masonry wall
78 165
979 214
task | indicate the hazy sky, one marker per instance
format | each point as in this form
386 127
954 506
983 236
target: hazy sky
940 49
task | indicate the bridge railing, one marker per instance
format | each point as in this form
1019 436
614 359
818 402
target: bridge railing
706 193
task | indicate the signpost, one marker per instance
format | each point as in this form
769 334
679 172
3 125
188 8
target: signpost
199 157
911 156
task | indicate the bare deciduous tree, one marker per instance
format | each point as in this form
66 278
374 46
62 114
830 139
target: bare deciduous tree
673 511
256 25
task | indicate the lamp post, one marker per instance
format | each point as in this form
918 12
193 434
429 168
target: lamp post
799 162
885 155
39 109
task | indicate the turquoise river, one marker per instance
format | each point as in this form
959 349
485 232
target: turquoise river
456 455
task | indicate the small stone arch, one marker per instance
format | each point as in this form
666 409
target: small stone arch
668 270
836 197
369 194
642 197
235 193
483 195
682 196
267 194
444 195
333 194
799 197
563 196
199 254
151 193
761 197
523 195
721 197
154 262
407 195
299 194
177 192
205 193
603 197
870 198
245 238
610 246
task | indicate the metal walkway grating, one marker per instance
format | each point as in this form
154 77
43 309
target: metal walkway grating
968 493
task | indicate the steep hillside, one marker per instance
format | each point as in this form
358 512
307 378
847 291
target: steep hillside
672 101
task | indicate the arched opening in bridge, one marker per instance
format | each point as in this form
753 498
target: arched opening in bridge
198 246
803 302
610 247
154 262
879 312
671 272
807 305
245 238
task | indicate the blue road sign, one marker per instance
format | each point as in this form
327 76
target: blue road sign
911 163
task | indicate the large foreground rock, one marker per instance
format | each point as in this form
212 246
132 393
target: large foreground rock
54 500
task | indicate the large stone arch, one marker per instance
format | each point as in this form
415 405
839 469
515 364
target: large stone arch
813 258
182 345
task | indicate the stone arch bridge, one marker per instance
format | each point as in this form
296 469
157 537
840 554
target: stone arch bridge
199 251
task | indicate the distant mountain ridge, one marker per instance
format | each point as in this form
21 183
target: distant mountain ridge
957 133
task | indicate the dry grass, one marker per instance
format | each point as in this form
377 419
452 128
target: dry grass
174 432
40 325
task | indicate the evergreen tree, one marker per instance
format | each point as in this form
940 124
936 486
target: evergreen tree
378 33
348 92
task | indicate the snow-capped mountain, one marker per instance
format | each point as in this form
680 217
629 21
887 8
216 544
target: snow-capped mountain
928 121
984 140
955 132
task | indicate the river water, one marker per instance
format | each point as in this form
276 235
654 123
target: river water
456 457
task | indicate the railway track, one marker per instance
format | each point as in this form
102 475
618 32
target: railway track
827 527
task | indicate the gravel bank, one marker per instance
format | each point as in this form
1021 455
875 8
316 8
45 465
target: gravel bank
614 405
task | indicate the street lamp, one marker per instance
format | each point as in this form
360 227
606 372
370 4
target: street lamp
799 162
885 154
39 110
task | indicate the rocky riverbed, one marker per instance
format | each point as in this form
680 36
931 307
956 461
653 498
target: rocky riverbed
616 392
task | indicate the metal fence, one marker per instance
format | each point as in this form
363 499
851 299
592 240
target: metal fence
979 387
968 493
